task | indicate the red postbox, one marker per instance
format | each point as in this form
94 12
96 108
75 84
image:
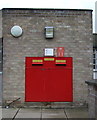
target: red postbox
48 79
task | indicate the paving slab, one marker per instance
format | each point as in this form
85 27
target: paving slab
9 113
77 112
53 113
45 114
0 113
29 113
0 88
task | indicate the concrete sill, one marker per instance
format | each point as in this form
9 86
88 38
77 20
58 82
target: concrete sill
94 70
91 82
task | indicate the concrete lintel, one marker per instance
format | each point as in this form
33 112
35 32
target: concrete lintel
92 82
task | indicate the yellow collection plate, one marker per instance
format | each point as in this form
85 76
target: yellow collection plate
49 59
61 61
37 61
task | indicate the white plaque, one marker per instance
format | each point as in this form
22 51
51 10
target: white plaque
49 52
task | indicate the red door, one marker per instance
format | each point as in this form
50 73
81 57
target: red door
48 79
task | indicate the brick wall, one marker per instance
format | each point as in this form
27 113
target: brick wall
95 16
0 57
92 101
0 24
72 30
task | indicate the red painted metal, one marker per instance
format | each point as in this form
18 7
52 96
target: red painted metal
48 81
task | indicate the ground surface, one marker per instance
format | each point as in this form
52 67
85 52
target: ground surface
44 114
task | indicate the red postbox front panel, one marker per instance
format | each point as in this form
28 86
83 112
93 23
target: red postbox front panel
48 79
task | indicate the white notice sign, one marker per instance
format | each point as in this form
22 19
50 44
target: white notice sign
49 52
